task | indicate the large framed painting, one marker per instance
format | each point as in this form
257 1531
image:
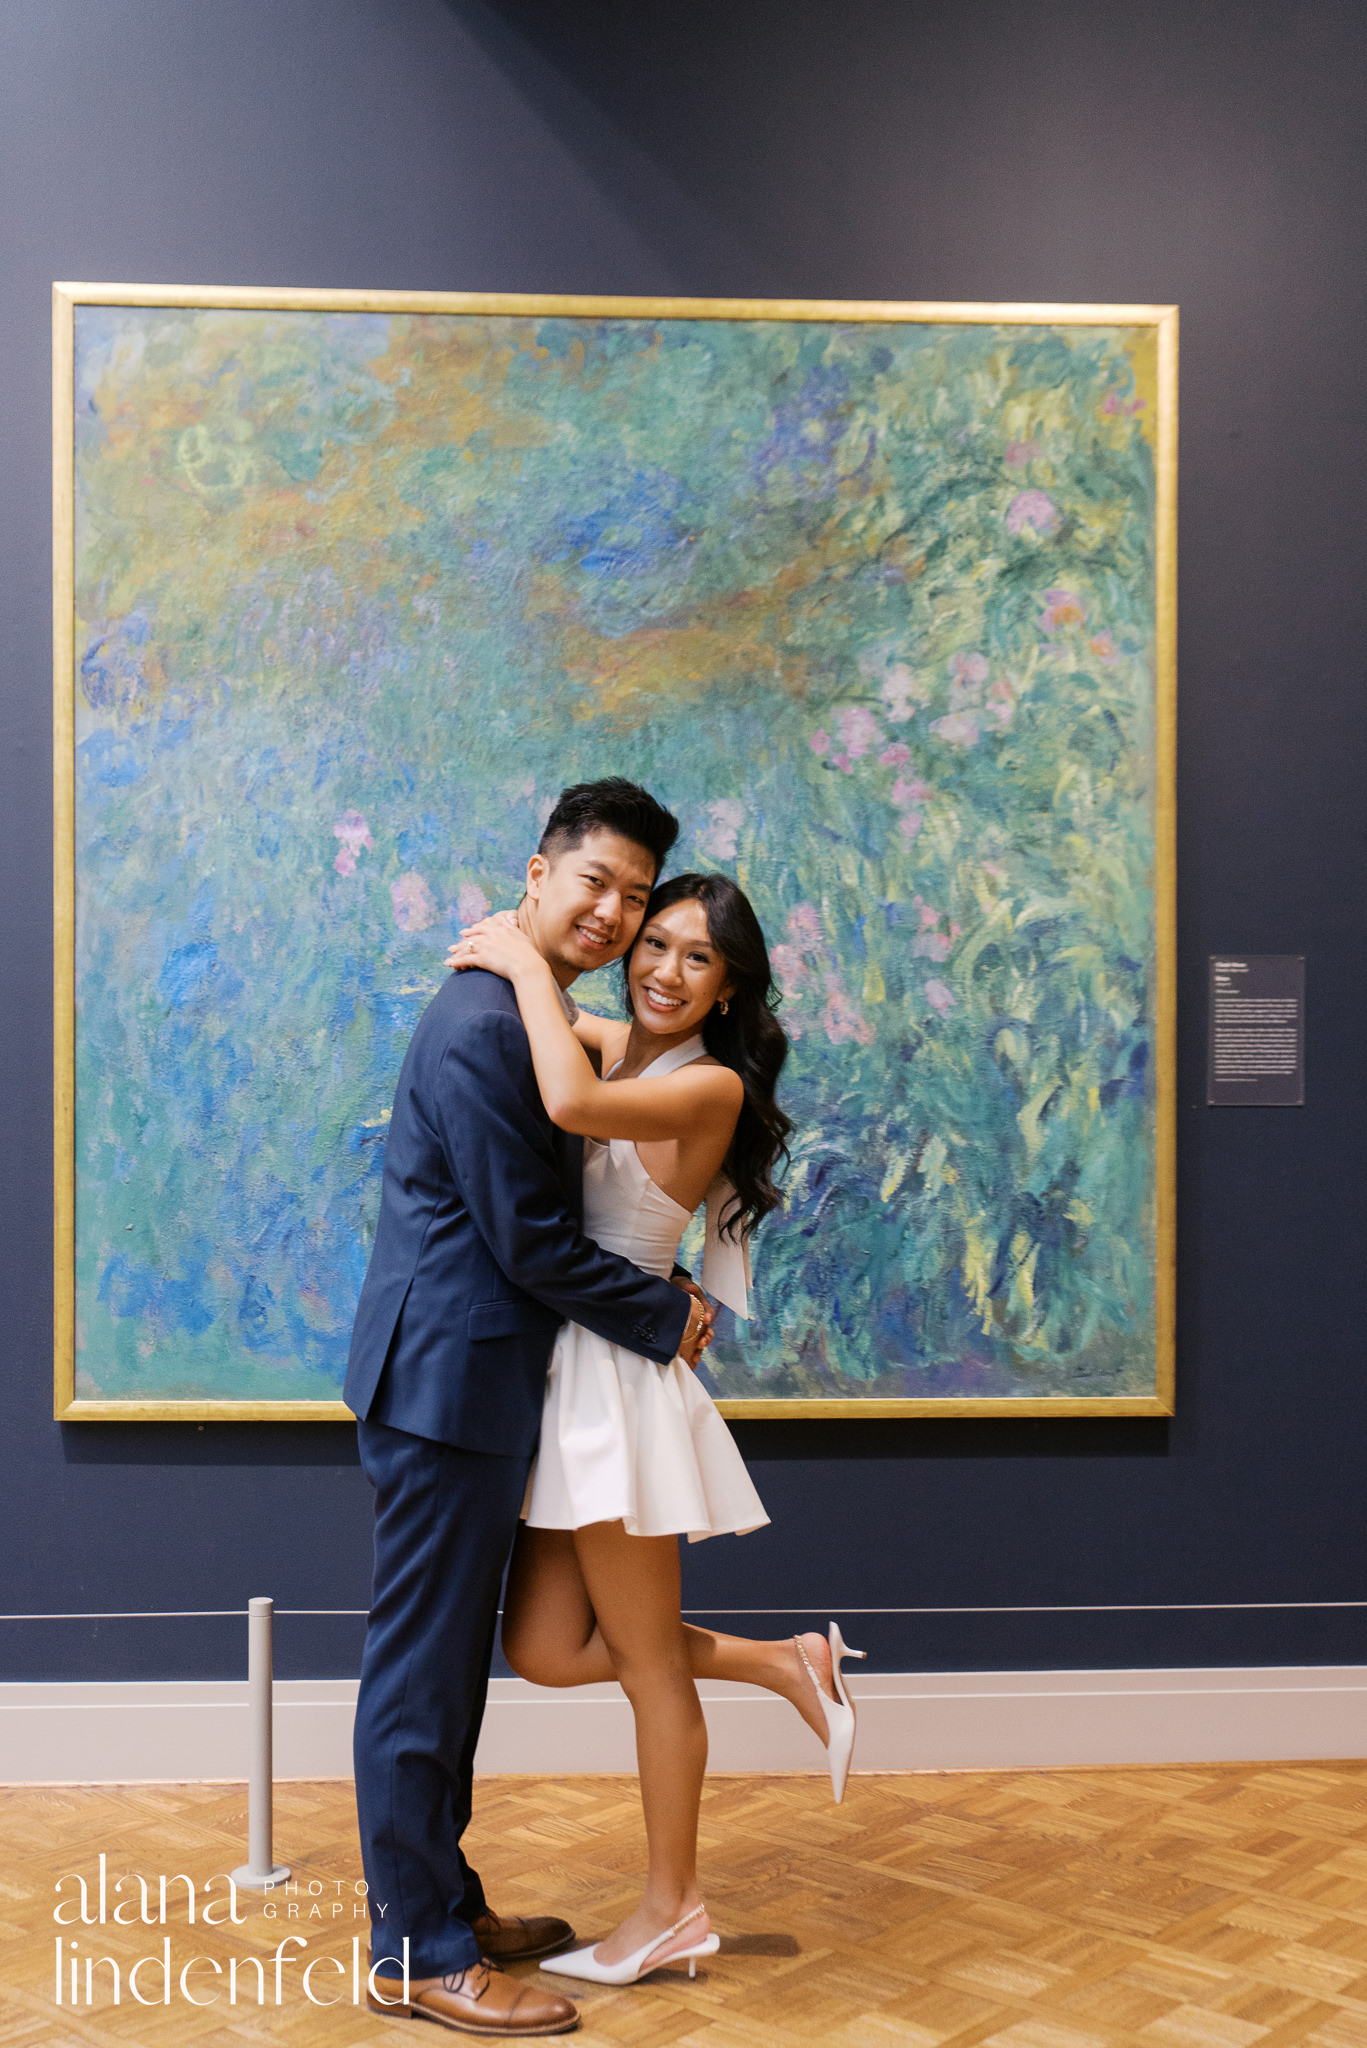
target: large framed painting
878 597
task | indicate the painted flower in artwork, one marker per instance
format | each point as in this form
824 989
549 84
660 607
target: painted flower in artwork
1033 512
1061 608
939 996
471 904
901 693
804 928
414 909
859 730
844 1024
960 728
354 833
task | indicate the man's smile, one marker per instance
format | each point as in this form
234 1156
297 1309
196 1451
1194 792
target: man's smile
593 937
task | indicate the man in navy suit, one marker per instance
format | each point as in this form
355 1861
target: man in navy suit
479 1256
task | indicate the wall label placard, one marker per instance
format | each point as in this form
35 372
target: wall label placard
1257 1029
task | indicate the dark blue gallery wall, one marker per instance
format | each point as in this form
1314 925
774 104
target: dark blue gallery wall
1209 154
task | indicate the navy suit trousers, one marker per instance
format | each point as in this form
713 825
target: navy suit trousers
445 1519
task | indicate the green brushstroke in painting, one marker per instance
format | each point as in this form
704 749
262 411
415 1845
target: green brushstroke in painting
871 605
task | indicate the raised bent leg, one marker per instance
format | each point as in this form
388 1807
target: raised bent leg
551 1634
550 1631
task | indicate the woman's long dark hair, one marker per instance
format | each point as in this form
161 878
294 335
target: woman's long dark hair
749 1038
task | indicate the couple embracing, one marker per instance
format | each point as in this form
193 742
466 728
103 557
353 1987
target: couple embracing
522 1368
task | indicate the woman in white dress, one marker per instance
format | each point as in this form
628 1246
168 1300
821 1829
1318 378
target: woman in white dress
632 1454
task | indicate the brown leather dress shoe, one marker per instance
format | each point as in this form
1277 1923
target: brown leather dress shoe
480 2000
516 1937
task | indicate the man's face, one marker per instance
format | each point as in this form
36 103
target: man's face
585 903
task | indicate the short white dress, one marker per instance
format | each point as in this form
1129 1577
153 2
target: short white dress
624 1439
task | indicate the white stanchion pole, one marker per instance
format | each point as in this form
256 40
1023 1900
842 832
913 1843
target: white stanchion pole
260 1869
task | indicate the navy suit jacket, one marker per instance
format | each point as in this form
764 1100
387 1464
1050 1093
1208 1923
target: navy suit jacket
479 1252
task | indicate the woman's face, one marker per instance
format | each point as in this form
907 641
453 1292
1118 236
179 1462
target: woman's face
676 973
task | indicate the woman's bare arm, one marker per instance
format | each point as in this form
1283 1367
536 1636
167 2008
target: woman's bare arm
575 1099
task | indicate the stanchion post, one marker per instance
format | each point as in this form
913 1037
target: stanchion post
260 1870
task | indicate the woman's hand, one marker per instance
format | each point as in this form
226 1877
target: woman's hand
497 944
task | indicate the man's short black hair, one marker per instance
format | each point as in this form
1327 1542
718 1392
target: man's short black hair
612 805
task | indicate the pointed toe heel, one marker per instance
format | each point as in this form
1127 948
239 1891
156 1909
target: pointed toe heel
583 1963
839 1712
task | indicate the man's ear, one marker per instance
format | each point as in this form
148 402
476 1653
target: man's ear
538 867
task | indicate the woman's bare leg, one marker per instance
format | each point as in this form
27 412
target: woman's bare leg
774 1665
632 1584
551 1634
550 1631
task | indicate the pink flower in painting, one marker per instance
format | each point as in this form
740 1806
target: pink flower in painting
844 1024
931 946
911 823
414 909
1104 647
820 743
859 730
472 904
905 794
1061 608
895 755
901 693
930 917
804 928
794 975
960 728
1003 701
1032 512
1113 402
940 997
354 833
843 763
969 669
1021 452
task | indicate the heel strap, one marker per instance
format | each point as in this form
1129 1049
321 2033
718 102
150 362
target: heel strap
677 1928
830 1699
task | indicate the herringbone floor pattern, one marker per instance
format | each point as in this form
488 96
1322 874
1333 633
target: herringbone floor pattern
1172 1908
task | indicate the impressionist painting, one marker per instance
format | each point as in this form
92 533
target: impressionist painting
877 599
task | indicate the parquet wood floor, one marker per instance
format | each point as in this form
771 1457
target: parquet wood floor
1203 1907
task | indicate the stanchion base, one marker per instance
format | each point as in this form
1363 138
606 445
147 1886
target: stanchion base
256 1880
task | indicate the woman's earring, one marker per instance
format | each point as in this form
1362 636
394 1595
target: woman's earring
723 1006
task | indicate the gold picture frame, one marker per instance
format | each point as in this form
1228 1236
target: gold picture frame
1159 321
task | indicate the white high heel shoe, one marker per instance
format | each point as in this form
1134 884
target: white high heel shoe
839 1713
582 1963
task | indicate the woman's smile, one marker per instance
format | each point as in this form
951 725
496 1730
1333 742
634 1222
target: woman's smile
676 972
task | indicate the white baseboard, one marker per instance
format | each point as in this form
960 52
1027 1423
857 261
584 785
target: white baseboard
975 1720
